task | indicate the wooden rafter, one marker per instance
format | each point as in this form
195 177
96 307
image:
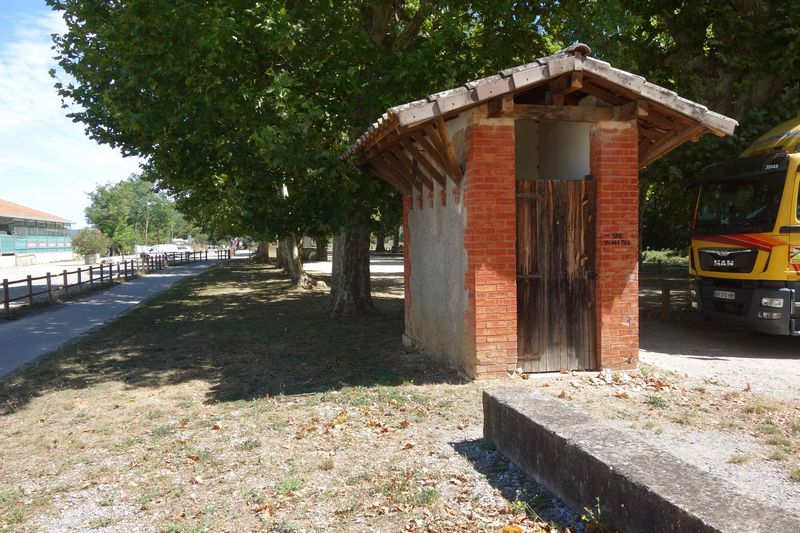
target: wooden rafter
576 113
669 143
651 133
420 157
389 178
602 93
663 122
404 183
424 139
410 166
448 151
565 85
502 106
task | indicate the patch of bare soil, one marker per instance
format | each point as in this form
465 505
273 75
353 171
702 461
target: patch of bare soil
749 440
232 403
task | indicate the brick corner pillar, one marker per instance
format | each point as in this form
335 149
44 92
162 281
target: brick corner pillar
614 162
490 243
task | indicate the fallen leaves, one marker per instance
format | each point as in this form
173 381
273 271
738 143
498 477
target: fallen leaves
340 419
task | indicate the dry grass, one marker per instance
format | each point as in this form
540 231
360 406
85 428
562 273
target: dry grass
232 403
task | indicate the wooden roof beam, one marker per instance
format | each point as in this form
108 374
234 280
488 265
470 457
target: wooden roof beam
438 134
502 106
669 143
602 93
406 181
389 178
420 157
577 113
565 85
410 166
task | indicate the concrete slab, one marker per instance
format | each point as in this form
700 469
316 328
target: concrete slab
32 336
640 488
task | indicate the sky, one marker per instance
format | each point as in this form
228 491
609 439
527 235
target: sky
46 160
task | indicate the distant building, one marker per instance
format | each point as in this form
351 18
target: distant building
29 236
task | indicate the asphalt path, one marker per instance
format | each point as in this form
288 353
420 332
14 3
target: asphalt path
32 336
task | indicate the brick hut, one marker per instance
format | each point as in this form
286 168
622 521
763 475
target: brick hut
520 210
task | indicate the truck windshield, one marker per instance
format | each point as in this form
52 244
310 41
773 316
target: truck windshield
740 205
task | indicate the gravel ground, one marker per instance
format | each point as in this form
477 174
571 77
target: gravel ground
734 356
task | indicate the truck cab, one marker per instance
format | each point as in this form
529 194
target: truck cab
745 252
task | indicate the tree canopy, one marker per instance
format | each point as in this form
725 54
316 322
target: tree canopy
132 212
242 109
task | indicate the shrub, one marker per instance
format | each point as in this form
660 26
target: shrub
90 241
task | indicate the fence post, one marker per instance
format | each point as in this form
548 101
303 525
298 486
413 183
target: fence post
118 271
66 283
5 296
49 288
91 275
30 290
206 255
79 279
665 299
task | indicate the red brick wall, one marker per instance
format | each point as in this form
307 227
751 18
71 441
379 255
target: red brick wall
615 165
490 242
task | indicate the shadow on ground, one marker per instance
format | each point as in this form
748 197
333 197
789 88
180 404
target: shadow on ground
525 494
247 332
700 339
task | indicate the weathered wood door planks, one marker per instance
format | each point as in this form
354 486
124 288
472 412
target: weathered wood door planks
555 278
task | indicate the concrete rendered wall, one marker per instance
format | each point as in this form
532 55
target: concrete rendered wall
38 258
564 150
552 150
436 300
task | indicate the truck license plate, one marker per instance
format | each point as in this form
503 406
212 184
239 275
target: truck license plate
724 295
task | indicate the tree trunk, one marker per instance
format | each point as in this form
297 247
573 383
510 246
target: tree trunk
396 240
280 257
262 254
293 264
380 245
350 284
321 253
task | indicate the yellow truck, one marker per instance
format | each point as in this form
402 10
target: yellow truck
745 253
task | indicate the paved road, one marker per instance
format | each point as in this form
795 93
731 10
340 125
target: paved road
32 336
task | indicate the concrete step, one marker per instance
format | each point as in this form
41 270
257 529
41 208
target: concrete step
640 488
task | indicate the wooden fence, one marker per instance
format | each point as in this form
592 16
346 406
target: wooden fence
59 284
670 290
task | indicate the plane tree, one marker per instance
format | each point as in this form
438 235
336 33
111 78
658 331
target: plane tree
241 109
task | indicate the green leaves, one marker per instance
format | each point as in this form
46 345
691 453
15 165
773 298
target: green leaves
131 212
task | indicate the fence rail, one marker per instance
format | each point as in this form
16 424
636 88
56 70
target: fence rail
65 282
670 291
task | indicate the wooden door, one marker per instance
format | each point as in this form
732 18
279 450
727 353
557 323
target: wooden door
555 275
